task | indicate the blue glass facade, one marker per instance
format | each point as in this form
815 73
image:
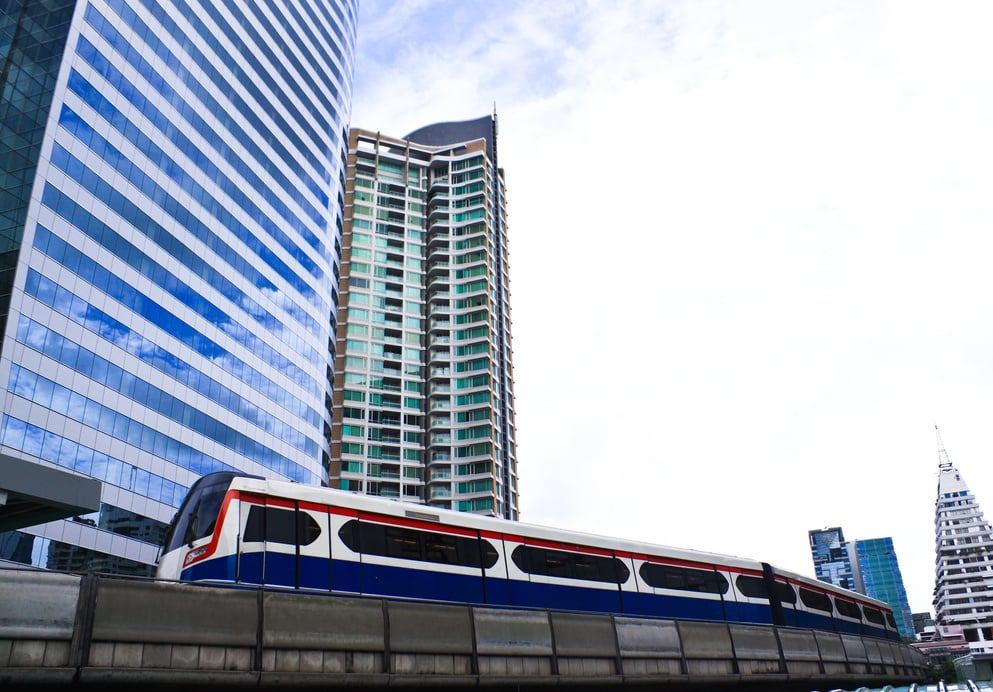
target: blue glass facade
172 252
881 578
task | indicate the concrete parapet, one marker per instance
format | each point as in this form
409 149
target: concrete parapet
707 648
335 623
648 638
856 653
55 629
505 632
428 628
756 649
37 604
143 611
800 652
582 635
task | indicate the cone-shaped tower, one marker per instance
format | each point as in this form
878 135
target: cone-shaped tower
963 587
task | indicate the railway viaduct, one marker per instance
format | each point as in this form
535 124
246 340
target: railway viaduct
63 630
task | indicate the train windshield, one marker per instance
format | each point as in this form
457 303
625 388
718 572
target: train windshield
197 516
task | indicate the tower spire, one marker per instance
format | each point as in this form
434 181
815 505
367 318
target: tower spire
943 460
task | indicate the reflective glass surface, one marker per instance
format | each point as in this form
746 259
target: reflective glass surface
174 273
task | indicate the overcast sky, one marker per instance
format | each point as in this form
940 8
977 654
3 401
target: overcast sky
750 250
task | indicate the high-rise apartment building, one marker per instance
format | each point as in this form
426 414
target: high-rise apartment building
424 401
963 590
170 227
830 552
878 575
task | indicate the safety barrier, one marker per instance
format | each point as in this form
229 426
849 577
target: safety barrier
58 628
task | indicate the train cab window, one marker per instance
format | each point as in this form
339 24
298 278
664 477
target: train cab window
683 578
279 525
197 517
560 563
815 600
754 587
847 608
890 619
413 544
872 615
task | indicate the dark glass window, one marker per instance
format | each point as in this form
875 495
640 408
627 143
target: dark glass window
560 563
847 608
198 514
414 544
683 578
754 587
890 619
279 525
873 615
815 600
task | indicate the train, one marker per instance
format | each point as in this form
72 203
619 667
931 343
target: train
239 529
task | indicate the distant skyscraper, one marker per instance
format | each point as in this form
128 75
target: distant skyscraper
867 566
963 590
878 575
424 399
169 235
832 563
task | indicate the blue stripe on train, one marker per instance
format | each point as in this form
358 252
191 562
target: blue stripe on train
356 577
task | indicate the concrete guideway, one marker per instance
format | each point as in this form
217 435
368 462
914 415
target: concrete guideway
61 629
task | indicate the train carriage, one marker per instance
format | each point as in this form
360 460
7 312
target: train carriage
235 528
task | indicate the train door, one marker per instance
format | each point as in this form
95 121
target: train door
495 581
280 545
313 546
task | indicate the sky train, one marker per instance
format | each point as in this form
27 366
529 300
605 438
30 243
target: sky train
235 528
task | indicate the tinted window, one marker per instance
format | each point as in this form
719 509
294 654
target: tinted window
890 619
754 587
872 615
560 563
815 600
197 516
413 544
279 525
683 578
847 608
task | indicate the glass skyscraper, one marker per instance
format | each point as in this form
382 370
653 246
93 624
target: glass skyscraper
424 399
880 577
832 563
867 566
170 229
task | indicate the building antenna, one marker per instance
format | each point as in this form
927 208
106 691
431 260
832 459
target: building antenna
942 454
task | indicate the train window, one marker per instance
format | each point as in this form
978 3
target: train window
847 608
197 516
413 544
683 578
754 587
815 600
890 619
560 563
872 615
278 525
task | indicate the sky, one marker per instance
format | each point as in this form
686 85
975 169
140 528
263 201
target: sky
750 255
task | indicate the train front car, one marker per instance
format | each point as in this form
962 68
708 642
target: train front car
196 534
